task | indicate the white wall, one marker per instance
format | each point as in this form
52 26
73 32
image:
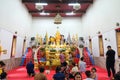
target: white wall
14 17
111 40
6 38
6 42
95 46
101 16
69 25
19 46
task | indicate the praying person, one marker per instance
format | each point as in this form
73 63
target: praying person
30 69
40 75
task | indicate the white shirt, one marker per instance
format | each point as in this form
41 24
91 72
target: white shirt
75 69
82 66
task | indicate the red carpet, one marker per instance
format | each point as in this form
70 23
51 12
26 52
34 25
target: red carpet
21 74
86 57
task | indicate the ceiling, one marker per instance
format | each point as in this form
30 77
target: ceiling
57 6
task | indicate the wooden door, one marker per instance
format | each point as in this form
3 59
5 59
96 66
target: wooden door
24 46
101 49
13 50
118 41
90 45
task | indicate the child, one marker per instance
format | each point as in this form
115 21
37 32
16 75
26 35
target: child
94 74
82 65
3 74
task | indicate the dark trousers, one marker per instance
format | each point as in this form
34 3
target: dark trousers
110 66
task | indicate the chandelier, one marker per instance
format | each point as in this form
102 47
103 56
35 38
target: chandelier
39 5
58 19
77 6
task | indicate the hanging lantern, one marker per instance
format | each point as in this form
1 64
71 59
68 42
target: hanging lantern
57 19
77 6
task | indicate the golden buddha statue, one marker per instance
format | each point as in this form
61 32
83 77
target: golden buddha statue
58 37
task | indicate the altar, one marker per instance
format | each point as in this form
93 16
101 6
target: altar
48 54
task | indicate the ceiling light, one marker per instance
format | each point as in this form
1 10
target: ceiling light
76 6
58 19
70 13
39 6
43 4
43 13
73 4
